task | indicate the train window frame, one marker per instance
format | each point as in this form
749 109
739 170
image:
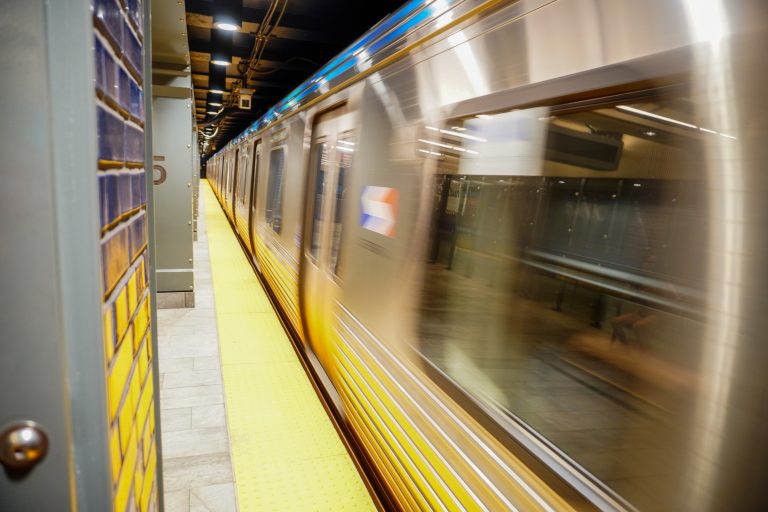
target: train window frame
539 453
349 137
235 170
242 176
320 149
275 197
255 173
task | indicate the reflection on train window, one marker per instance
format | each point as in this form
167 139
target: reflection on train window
345 148
564 278
255 178
320 156
275 188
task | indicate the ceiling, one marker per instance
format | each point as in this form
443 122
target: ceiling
309 33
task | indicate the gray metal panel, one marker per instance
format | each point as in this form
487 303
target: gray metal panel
172 141
73 123
32 365
148 41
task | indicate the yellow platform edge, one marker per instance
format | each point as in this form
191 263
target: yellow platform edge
286 453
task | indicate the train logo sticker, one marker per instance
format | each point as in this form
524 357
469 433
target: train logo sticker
379 210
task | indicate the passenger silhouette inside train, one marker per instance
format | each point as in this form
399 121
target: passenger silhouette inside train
641 322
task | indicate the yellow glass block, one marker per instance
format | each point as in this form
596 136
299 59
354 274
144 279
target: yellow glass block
138 481
115 454
146 399
109 334
126 425
118 376
152 418
142 318
128 338
139 278
121 313
149 438
126 477
135 390
149 480
143 361
137 339
133 298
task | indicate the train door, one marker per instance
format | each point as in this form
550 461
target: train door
254 194
332 149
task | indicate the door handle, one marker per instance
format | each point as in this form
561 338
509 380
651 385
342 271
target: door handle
22 445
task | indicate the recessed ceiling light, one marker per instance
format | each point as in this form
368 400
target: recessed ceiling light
226 26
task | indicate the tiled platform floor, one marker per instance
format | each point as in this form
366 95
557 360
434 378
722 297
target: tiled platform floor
197 467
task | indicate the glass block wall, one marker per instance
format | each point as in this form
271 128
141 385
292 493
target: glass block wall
118 53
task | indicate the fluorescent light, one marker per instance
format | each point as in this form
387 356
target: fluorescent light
447 146
346 142
457 134
431 152
212 113
216 91
708 130
226 26
483 116
214 104
346 150
728 136
221 62
655 116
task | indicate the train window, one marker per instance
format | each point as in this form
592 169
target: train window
345 148
320 156
255 179
242 178
275 188
564 282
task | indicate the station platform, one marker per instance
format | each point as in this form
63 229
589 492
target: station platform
242 426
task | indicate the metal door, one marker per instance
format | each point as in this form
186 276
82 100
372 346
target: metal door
331 152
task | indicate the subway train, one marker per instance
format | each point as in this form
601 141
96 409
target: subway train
523 245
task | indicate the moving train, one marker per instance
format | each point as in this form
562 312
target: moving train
523 244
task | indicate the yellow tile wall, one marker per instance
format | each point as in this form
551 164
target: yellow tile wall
126 304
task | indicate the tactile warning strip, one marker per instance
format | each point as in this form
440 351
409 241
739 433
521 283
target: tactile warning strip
285 451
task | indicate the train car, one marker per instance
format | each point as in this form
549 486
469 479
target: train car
521 241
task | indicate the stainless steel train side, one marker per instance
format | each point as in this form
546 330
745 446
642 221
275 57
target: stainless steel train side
523 241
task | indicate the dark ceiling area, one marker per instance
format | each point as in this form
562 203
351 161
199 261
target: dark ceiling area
278 45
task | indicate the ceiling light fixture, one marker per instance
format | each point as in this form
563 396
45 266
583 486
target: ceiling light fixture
221 48
217 79
228 15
